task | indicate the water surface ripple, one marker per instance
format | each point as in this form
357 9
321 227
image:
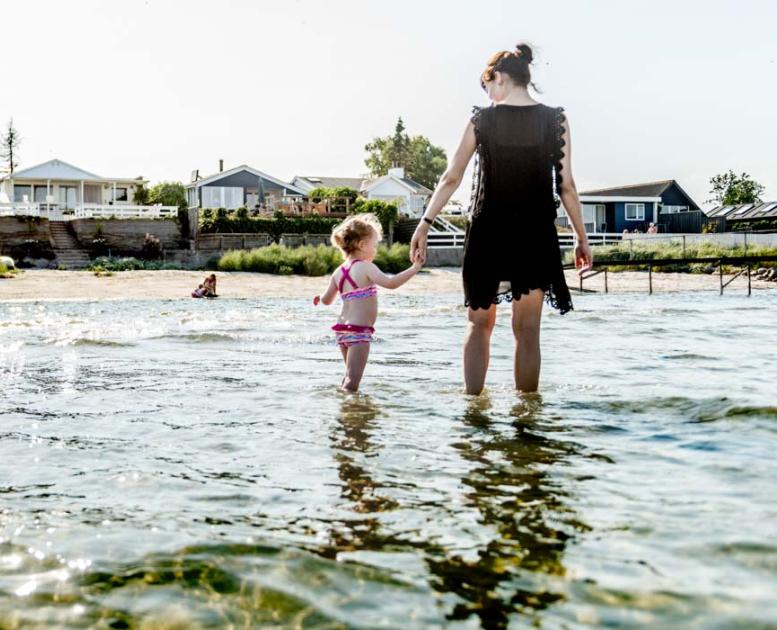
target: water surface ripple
192 465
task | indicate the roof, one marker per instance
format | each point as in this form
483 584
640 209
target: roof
60 170
244 167
322 181
651 189
745 211
413 186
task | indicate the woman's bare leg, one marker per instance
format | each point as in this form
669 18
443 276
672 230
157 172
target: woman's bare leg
527 313
477 347
354 366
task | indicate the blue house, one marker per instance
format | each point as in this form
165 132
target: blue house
237 187
633 207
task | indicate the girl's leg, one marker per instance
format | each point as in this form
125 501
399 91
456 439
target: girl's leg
477 347
344 352
354 366
527 313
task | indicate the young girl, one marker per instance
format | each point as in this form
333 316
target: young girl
357 280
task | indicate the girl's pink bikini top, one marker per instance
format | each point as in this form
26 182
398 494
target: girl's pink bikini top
358 293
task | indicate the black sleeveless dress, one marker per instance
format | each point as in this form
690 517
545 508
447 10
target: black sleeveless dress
512 245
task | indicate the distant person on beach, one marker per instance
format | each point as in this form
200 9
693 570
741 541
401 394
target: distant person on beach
199 292
511 252
209 284
357 280
652 229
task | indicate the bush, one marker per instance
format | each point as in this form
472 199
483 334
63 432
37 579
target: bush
387 213
221 223
306 260
393 259
106 264
168 194
650 251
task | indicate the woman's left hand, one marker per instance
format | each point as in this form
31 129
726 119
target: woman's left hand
418 242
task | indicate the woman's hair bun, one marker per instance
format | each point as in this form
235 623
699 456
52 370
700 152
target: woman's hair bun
525 52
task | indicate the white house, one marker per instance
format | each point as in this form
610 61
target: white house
56 187
410 196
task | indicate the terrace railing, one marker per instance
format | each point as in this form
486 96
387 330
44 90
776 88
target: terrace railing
88 211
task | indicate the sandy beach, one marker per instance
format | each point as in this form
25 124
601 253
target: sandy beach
84 285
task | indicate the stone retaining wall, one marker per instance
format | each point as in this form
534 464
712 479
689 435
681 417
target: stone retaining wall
16 231
126 235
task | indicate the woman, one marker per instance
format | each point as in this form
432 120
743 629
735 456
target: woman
511 251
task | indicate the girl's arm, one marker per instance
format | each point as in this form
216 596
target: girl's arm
329 295
449 182
376 276
568 194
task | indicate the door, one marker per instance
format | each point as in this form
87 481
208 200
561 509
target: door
67 197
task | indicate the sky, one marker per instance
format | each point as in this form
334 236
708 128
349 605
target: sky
653 90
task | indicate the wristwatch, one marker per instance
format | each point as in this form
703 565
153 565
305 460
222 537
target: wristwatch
428 220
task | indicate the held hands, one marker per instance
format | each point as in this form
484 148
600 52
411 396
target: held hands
418 261
584 258
418 243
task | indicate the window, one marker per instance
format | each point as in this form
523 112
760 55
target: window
121 194
40 194
20 192
635 212
229 197
674 209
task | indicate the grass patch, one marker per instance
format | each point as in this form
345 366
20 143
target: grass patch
105 264
7 273
652 251
307 260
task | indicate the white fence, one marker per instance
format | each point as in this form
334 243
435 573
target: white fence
88 211
443 233
567 239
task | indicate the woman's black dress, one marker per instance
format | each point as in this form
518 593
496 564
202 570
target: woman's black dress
512 245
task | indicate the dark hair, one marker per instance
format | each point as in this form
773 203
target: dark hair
514 64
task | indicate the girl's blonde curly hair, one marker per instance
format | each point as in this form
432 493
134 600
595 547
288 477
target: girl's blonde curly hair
347 235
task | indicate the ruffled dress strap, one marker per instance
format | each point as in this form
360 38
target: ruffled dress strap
557 151
478 173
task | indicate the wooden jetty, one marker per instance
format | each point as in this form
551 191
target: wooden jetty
746 262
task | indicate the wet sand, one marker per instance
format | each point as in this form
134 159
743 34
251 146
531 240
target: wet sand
84 285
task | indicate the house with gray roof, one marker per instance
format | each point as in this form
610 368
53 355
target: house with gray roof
237 187
632 207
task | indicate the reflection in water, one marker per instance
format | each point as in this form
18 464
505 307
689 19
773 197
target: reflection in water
515 494
351 441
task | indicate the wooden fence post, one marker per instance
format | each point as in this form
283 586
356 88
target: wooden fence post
650 279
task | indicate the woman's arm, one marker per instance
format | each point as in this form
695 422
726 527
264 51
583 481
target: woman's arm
568 194
376 276
329 295
449 182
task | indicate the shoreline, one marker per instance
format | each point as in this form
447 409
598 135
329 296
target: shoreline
33 285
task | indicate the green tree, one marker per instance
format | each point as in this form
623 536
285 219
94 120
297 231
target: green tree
142 195
10 143
423 162
169 194
730 189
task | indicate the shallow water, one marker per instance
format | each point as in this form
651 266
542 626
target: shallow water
189 464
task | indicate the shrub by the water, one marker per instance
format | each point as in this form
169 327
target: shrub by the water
651 251
105 263
307 260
